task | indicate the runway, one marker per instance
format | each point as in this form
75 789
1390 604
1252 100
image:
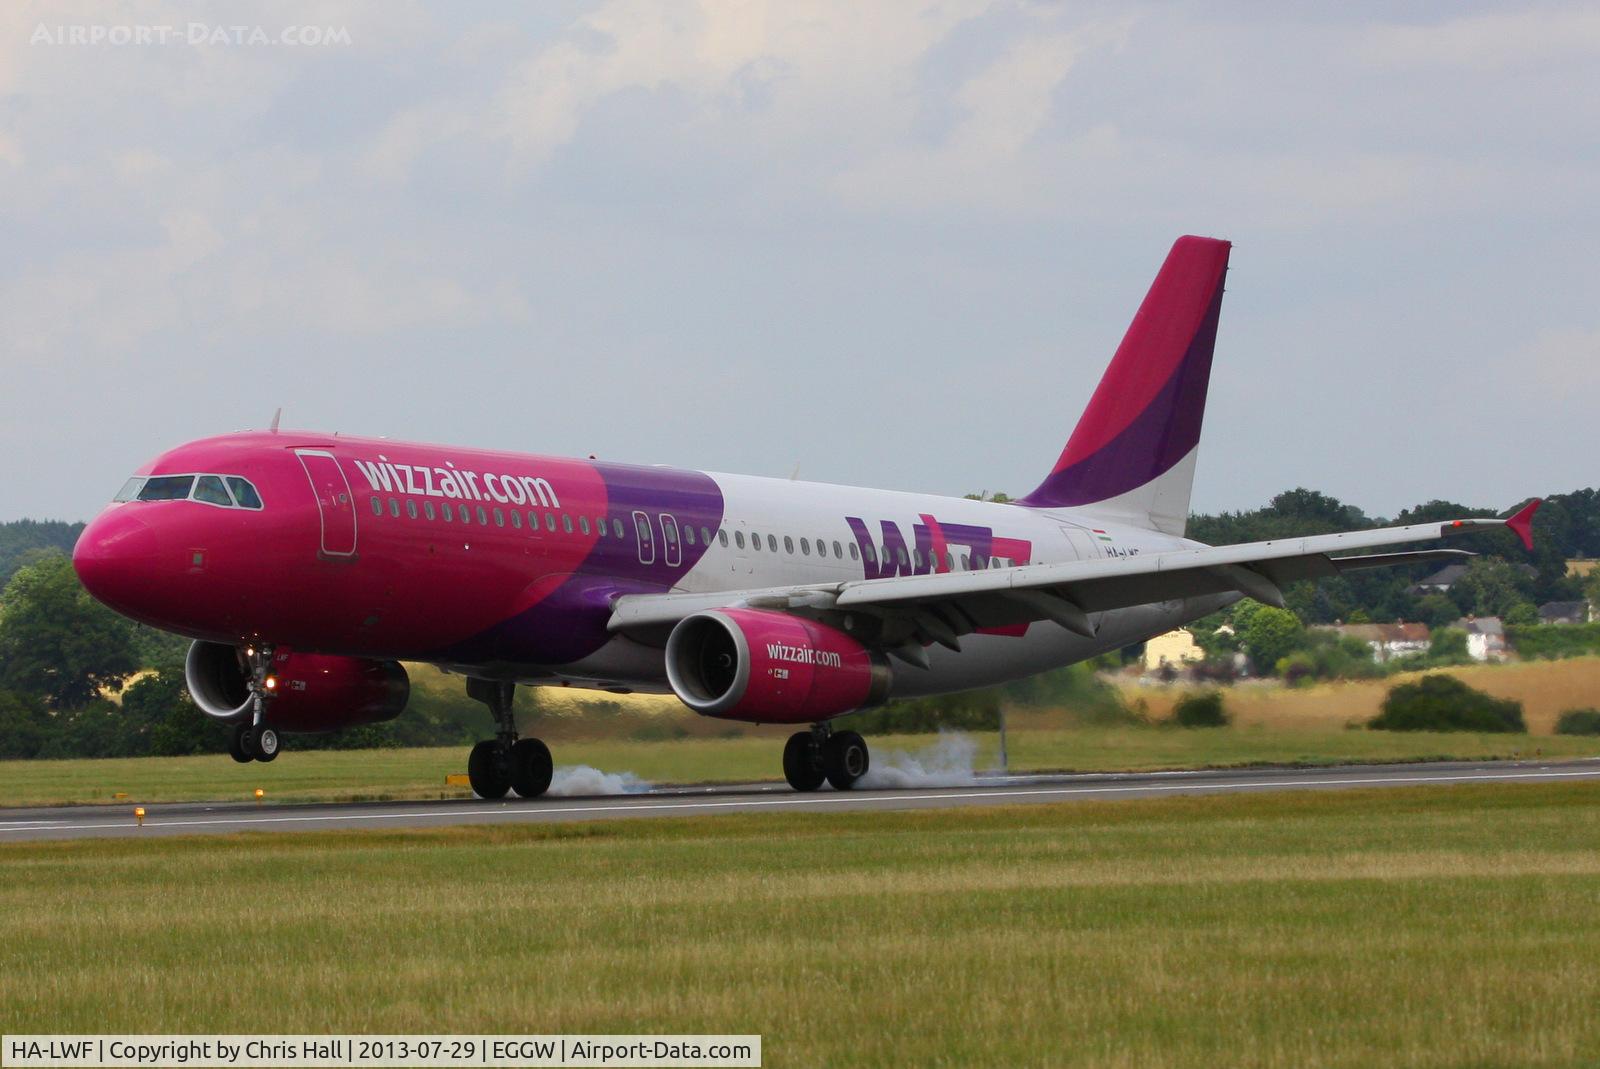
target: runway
199 818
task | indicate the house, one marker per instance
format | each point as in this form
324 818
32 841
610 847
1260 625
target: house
1387 641
1565 612
1173 649
1486 637
1579 567
1442 580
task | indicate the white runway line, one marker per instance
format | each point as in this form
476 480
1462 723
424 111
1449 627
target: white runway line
822 800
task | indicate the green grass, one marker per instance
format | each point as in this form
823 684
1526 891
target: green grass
1419 927
336 775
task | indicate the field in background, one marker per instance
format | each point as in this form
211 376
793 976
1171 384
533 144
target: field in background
1545 689
1434 926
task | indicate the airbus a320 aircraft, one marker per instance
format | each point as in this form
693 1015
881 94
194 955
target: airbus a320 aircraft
307 566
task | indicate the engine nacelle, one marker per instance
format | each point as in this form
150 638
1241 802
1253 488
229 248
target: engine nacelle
771 668
313 691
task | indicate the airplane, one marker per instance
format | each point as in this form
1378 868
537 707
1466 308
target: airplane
307 566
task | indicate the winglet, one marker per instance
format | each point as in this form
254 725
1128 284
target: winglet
1522 523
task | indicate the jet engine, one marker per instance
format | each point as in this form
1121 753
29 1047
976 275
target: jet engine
310 691
771 668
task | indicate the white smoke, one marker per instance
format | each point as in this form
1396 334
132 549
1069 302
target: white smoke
949 762
572 780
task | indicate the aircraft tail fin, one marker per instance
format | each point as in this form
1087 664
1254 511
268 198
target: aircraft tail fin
1133 451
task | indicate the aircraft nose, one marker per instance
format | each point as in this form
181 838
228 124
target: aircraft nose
114 558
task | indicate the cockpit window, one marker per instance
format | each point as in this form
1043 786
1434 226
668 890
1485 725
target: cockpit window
244 493
212 492
166 488
210 489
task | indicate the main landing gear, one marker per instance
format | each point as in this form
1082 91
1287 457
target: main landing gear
840 757
255 740
506 763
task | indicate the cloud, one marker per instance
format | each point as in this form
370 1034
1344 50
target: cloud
1491 42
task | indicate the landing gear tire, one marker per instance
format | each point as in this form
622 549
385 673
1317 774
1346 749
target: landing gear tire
845 759
267 744
487 772
242 744
531 768
802 765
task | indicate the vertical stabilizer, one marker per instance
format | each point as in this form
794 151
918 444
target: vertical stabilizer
1133 451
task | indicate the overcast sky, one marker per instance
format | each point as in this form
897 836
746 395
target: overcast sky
891 243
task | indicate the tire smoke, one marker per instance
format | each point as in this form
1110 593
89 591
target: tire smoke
951 761
578 780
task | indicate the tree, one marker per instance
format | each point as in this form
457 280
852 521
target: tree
159 709
1271 635
1436 610
1443 703
1491 587
24 725
56 641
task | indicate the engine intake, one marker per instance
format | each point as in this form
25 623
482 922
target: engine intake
771 668
315 692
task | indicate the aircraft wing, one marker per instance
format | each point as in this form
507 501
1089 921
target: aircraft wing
942 607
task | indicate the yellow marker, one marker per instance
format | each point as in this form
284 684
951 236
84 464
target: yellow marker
138 814
120 795
457 780
260 794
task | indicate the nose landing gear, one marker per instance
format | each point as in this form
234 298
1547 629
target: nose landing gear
255 740
506 763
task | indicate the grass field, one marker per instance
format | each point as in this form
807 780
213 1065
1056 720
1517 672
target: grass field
337 775
1422 927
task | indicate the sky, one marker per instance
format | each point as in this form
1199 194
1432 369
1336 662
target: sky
890 244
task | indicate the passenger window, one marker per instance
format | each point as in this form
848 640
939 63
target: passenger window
966 563
466 514
738 538
411 508
549 521
449 513
722 537
916 558
755 541
805 547
616 527
566 523
600 526
499 518
244 493
788 545
840 555
688 535
516 519
705 535
772 543
583 524
900 555
394 507
427 509
377 505
870 552
166 488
